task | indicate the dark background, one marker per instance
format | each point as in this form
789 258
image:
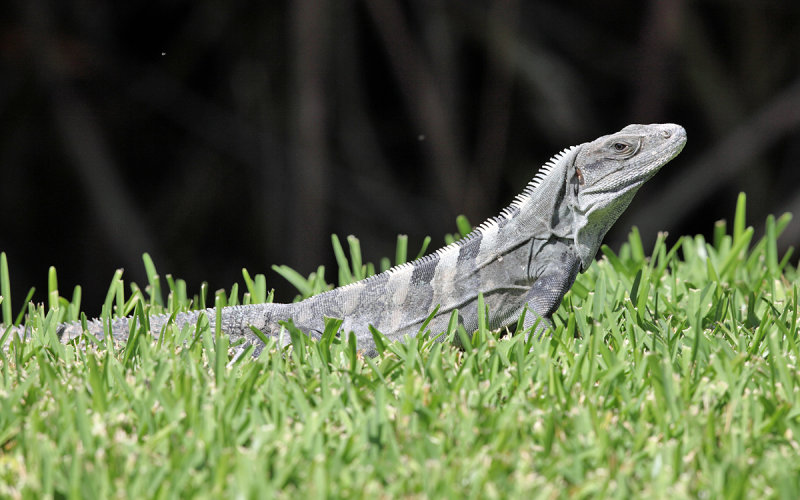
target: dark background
220 135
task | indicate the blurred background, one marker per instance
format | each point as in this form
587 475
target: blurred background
221 135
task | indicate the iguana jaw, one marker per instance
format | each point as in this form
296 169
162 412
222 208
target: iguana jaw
608 171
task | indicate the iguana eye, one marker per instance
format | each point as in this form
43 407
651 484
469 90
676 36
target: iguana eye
624 148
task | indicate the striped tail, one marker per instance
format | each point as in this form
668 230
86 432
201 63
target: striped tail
236 322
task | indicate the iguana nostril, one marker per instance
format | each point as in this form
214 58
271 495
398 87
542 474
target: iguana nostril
666 134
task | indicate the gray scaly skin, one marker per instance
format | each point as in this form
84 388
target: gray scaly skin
529 255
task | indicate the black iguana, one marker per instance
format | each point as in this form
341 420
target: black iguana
529 255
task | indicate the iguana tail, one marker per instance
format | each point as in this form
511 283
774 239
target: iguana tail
236 322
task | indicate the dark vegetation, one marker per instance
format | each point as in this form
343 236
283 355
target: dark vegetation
222 135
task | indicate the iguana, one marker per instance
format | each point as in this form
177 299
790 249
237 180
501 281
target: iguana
524 259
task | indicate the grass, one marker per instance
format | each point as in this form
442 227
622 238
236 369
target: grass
671 376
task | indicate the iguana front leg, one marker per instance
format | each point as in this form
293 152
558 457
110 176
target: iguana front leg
553 270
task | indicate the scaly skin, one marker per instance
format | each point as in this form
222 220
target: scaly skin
527 257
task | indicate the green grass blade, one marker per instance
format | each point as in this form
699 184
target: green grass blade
772 247
355 258
220 344
5 290
345 276
52 288
153 281
296 279
739 218
635 242
401 251
261 289
720 231
114 290
379 339
425 243
464 227
740 245
248 283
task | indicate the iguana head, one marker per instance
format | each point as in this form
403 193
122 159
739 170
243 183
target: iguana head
608 171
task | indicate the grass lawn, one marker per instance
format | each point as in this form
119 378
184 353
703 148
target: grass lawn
669 376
